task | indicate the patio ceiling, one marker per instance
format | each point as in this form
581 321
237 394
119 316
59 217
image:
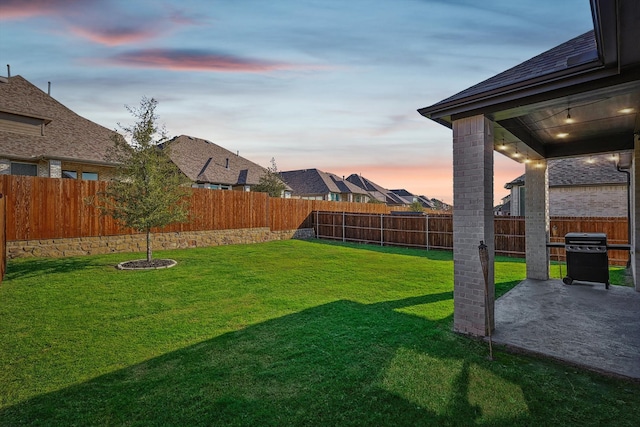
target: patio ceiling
581 97
597 121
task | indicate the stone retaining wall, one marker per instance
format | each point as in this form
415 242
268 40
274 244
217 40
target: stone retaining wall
137 242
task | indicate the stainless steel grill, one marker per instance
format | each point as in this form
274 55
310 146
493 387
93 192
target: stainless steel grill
587 258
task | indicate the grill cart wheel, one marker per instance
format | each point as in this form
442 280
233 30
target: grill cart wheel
567 280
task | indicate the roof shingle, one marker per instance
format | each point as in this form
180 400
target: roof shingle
307 182
203 161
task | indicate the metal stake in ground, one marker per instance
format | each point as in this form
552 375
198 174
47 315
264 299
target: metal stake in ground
484 261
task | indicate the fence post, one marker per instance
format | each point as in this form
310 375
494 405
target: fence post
426 218
343 227
381 229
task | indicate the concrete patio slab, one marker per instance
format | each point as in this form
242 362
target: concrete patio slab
583 324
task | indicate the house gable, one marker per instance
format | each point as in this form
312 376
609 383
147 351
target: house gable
317 184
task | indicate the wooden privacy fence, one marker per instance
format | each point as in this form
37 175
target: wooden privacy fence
425 231
46 208
3 237
436 231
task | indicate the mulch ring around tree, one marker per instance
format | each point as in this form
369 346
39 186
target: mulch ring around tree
143 264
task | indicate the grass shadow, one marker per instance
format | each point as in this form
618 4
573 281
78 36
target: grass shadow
342 363
432 254
35 267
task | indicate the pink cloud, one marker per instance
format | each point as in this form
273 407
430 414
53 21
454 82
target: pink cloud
94 20
21 9
196 60
114 36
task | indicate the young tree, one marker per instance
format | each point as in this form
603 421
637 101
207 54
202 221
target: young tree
416 206
148 190
270 182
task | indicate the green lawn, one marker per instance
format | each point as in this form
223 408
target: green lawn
284 333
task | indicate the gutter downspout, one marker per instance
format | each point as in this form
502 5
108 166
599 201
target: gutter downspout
628 208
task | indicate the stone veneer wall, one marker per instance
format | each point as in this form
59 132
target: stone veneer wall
137 242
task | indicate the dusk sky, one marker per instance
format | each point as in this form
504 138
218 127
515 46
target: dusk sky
327 84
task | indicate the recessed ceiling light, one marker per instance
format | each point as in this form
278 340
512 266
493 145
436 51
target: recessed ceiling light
562 135
626 110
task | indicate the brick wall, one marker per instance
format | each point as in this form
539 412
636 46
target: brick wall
5 166
104 172
137 242
588 201
53 169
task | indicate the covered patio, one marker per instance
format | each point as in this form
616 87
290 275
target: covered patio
577 99
584 324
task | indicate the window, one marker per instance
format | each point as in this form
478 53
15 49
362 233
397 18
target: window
521 200
212 186
70 174
334 197
90 176
26 169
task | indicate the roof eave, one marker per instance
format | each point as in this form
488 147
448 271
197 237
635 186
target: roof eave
609 28
563 80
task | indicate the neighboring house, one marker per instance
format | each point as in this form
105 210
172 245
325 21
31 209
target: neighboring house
504 208
394 197
579 186
209 165
376 191
41 137
440 205
404 196
426 202
408 198
314 184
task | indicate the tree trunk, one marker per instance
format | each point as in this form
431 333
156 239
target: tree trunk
148 245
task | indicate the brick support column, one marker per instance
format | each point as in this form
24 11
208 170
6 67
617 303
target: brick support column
472 223
536 220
